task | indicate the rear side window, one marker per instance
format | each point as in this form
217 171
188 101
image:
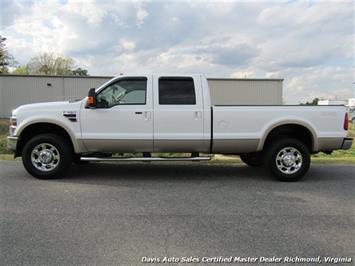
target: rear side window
176 90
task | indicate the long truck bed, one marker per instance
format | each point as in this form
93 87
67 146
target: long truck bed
244 128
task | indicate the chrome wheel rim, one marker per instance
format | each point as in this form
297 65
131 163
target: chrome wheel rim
45 157
289 160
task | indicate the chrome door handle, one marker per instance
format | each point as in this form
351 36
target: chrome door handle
147 115
198 115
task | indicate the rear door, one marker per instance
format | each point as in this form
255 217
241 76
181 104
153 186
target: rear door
178 114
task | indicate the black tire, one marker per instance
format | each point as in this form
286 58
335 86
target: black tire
278 167
253 160
60 165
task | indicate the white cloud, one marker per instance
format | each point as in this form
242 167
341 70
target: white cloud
310 44
141 15
89 9
246 73
326 82
128 45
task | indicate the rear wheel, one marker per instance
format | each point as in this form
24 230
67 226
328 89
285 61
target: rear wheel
47 156
254 160
287 159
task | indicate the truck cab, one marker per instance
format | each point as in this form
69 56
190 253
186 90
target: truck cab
152 113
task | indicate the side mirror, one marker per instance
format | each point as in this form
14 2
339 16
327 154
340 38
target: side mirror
91 98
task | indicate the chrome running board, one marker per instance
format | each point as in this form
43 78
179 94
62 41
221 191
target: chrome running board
150 159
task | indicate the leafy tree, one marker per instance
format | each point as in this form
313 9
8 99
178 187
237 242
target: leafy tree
80 72
6 59
51 64
23 70
313 102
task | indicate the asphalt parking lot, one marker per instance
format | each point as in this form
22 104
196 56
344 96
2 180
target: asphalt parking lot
115 214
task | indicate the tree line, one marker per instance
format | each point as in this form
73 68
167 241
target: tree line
42 64
313 102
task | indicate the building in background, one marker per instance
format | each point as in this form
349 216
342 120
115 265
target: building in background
349 102
333 102
16 90
233 91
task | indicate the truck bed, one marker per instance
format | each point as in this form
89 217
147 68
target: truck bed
246 127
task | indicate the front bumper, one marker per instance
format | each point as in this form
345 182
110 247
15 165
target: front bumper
12 143
347 142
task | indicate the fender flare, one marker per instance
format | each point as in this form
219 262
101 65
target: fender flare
289 122
26 123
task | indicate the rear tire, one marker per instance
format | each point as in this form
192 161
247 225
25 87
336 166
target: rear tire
47 156
287 159
253 159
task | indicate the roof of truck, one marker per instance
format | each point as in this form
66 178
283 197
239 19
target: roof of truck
144 74
53 76
247 79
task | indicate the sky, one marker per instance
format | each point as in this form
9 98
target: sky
308 43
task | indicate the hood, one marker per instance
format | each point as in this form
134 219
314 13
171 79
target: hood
47 106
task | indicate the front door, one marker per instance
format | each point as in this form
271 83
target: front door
123 120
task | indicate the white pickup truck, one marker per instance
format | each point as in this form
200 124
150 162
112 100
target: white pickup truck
163 113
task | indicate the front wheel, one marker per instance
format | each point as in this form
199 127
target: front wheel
254 159
287 159
47 156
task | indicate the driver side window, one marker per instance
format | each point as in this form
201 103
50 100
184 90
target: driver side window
126 91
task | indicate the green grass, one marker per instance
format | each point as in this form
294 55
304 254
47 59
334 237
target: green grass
339 156
345 155
3 149
8 157
4 129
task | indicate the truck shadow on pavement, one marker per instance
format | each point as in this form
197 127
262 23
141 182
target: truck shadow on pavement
164 172
119 173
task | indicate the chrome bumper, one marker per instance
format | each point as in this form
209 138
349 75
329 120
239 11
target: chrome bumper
347 142
12 143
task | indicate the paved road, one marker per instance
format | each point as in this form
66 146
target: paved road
116 214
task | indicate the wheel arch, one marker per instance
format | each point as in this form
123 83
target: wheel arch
296 129
43 127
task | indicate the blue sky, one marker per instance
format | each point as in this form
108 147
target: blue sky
308 43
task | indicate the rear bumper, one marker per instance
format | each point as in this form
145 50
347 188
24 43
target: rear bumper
347 142
12 143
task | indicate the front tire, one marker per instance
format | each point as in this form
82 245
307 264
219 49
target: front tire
47 156
253 160
287 159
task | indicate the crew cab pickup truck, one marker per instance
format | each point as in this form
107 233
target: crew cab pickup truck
147 114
